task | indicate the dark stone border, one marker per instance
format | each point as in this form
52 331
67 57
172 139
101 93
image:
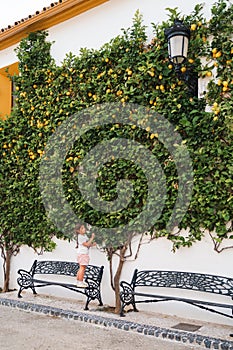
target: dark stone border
175 335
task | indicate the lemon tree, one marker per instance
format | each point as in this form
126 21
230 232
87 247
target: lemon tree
128 69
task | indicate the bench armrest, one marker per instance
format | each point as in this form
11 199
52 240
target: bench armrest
91 283
127 290
126 296
25 281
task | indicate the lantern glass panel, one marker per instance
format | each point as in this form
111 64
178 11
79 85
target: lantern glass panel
178 49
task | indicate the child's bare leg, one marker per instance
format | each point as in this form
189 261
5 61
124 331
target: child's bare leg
81 271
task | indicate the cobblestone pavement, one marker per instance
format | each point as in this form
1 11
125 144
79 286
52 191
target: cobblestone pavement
48 322
20 330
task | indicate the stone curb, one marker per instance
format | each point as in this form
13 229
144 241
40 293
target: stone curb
175 335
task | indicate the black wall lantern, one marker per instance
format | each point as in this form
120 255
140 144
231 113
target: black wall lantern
178 39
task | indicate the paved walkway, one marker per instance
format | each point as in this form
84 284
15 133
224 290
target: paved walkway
48 322
23 331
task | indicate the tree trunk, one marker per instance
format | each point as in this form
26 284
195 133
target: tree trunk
6 270
117 279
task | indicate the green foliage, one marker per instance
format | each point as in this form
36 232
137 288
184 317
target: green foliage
128 69
22 218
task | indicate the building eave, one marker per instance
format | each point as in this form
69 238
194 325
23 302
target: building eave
54 14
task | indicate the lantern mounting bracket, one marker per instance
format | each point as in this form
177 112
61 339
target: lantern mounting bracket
190 78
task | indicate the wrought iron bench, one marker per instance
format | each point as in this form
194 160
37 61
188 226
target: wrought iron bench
93 277
131 294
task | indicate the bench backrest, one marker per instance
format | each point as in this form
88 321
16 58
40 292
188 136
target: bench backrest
67 268
184 280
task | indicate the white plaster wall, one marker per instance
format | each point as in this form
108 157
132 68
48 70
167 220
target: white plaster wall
8 56
152 255
97 26
92 29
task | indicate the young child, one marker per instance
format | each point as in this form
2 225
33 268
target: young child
83 245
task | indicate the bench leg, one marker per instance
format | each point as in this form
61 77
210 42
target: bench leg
99 299
87 303
92 293
89 299
123 306
33 290
122 310
19 292
134 307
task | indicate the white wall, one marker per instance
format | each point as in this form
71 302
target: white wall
97 26
153 255
8 56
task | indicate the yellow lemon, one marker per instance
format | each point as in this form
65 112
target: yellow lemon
152 74
193 27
